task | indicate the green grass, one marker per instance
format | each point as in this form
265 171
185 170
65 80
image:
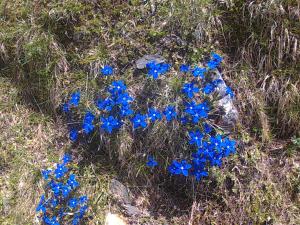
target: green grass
48 50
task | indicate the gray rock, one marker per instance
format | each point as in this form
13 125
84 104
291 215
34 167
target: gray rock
120 191
230 114
131 210
142 62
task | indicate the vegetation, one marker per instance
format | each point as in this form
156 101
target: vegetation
51 48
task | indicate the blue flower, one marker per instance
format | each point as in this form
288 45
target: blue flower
199 72
73 202
151 162
66 158
107 70
109 123
217 58
117 87
229 92
106 104
180 168
164 68
50 221
184 68
184 120
124 99
83 199
66 108
46 173
216 142
42 205
197 111
87 125
73 134
75 98
154 70
207 128
72 181
125 110
212 64
53 202
65 190
229 147
154 114
60 171
208 89
196 138
139 120
189 89
217 82
170 113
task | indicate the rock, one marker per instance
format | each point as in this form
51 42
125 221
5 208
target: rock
114 219
120 192
142 62
229 113
131 210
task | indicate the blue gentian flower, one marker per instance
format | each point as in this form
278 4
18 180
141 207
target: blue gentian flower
65 190
66 108
180 168
170 113
73 134
184 68
50 221
66 158
124 99
212 64
125 110
106 104
199 72
196 138
184 120
154 114
60 171
107 70
229 92
87 125
217 58
75 98
72 181
189 89
87 128
109 123
73 202
208 89
42 205
151 162
154 70
229 147
216 142
139 120
217 82
207 128
46 173
83 199
117 87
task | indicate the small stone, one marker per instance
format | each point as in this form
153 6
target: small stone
142 62
114 219
120 191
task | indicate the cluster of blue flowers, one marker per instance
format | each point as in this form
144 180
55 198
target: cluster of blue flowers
116 107
157 69
61 204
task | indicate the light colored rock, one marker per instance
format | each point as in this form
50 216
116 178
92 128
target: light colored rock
114 219
142 62
120 191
